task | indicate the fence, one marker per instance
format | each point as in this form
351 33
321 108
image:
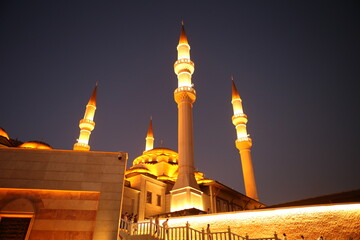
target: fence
181 233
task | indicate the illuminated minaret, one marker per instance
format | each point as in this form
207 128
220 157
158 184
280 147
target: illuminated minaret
149 144
87 124
186 192
243 143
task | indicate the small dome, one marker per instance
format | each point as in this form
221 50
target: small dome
4 134
35 145
162 164
157 155
137 169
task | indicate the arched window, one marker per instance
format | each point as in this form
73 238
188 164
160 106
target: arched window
16 219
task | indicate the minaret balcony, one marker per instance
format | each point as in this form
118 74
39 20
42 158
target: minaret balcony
239 118
87 124
184 94
181 92
81 146
184 64
243 143
185 89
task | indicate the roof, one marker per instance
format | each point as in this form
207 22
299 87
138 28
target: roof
221 185
342 197
5 142
4 134
35 145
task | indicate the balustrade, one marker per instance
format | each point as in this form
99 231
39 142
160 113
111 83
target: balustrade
181 233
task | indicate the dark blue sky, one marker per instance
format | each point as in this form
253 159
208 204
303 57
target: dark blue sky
295 63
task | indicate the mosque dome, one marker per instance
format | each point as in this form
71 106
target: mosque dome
4 134
35 145
157 155
160 163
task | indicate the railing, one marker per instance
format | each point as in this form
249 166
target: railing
181 233
186 89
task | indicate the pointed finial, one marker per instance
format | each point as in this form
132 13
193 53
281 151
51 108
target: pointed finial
183 38
150 132
234 91
92 100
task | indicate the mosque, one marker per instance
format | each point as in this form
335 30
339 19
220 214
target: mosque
47 193
162 181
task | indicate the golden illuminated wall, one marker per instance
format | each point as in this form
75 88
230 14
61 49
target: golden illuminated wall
67 170
141 207
55 214
333 221
160 162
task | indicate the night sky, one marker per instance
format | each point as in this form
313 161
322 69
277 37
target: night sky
295 64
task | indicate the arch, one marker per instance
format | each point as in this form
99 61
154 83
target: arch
19 205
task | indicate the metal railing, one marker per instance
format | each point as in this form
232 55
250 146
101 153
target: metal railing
181 233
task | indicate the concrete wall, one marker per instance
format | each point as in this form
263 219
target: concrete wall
97 175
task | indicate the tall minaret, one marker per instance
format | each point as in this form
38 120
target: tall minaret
87 124
243 143
149 140
186 192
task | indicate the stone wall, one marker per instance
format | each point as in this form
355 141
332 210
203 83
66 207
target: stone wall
90 184
56 214
333 221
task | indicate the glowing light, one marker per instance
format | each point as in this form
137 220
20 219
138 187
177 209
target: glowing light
183 51
87 124
204 181
237 107
163 177
34 145
189 74
241 139
186 198
185 88
309 221
18 215
136 170
149 143
89 112
183 44
4 134
81 146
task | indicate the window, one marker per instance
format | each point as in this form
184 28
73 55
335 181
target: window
149 197
222 205
158 200
236 207
14 228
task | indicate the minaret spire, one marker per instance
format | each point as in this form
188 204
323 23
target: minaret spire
87 124
186 192
149 137
243 143
183 38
